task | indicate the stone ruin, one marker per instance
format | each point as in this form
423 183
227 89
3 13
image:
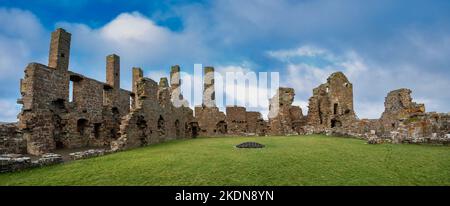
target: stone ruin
62 109
285 119
236 122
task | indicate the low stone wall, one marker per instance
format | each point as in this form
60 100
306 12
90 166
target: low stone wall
11 140
89 154
17 162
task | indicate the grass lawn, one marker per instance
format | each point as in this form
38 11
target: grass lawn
294 160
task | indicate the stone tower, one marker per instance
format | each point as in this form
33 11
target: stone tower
209 95
59 50
332 103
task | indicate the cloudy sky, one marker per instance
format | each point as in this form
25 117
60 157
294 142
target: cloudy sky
380 45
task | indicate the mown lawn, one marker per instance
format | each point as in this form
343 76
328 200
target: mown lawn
294 160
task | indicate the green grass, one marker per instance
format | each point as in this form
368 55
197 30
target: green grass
294 160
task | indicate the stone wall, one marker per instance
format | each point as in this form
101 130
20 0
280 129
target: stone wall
403 121
332 103
236 120
284 119
256 125
211 121
63 109
17 162
154 119
11 140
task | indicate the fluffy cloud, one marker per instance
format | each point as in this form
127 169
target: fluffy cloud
138 40
20 33
20 41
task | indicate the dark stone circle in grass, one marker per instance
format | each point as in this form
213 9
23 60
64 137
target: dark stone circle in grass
250 145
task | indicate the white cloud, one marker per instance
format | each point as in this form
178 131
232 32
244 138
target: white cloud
9 110
20 33
21 36
303 51
138 40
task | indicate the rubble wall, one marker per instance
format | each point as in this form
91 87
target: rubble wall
11 139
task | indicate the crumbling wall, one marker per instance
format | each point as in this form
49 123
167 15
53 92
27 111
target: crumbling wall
256 125
154 119
44 98
399 106
236 119
211 121
403 121
406 121
11 140
331 105
63 109
282 114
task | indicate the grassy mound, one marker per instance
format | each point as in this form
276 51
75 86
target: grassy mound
294 160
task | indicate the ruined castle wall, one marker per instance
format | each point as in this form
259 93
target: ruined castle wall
253 119
280 116
399 106
403 121
51 120
211 121
44 94
331 105
124 102
236 120
11 139
154 119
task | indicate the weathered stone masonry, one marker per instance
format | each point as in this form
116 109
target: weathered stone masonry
63 109
154 118
51 120
403 121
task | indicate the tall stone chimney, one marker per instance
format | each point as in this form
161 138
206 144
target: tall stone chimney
113 71
209 94
136 74
59 50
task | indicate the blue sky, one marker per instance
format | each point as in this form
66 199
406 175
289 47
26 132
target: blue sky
380 45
